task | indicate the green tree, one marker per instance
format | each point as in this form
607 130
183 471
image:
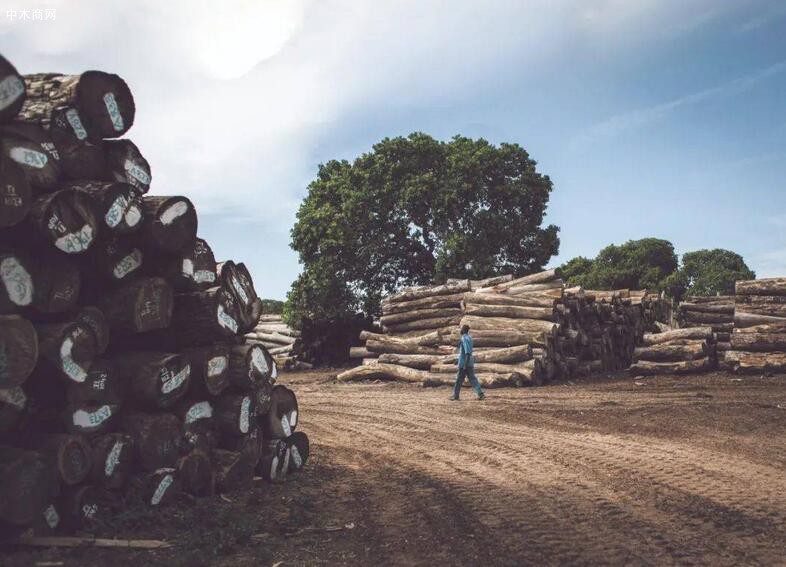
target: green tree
416 210
711 272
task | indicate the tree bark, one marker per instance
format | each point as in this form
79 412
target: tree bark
28 483
70 454
498 338
527 300
138 306
422 324
507 355
12 91
68 348
697 317
767 286
759 342
726 308
768 309
704 333
428 291
95 319
125 163
209 368
684 367
112 460
486 380
56 283
32 149
393 345
546 276
742 320
744 361
779 327
170 223
671 353
383 371
510 311
156 380
397 319
419 361
102 385
433 302
205 317
158 439
65 219
237 280
361 352
18 350
501 323
529 369
16 195
116 205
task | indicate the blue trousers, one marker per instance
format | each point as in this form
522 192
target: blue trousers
469 373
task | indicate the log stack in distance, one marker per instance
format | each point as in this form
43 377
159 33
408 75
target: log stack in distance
124 372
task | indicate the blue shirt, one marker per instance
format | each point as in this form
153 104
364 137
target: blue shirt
465 358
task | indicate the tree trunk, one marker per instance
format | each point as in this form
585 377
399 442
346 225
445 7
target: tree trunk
103 385
18 350
28 483
235 413
383 371
56 283
170 223
419 361
282 418
511 311
769 309
486 380
209 368
697 317
742 320
116 205
521 325
768 286
671 353
398 319
112 460
104 101
65 219
158 439
759 342
80 158
70 454
532 279
275 338
298 451
361 352
392 345
32 149
507 355
527 369
434 302
237 279
12 91
683 367
16 195
68 348
234 470
125 163
16 275
156 380
779 327
528 300
191 269
557 285
704 333
744 361
427 291
722 308
138 306
205 317
13 402
248 366
499 338
113 261
95 319
195 470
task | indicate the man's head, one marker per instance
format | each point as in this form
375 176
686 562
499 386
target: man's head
464 329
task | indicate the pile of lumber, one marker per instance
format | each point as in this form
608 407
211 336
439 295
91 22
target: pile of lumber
715 312
526 331
123 369
680 351
758 341
281 341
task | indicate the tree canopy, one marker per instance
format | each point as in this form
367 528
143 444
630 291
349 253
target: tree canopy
416 210
709 272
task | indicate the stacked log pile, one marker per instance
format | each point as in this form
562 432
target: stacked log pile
282 341
681 351
716 312
758 341
123 371
526 331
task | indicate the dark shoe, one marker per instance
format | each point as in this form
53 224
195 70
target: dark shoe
481 397
453 399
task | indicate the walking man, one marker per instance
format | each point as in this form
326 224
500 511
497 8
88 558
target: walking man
466 365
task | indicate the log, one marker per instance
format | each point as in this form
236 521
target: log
156 380
162 487
65 219
12 91
28 483
684 367
56 283
234 471
393 345
191 269
671 353
209 368
298 451
282 419
510 311
158 439
723 308
237 280
264 401
13 402
112 457
767 286
274 464
32 149
397 319
16 195
84 506
204 317
544 277
195 471
68 348
102 385
80 158
419 361
528 369
434 302
138 306
275 338
117 206
170 223
196 414
769 309
234 413
759 342
16 274
507 355
422 339
779 327
527 300
70 454
18 350
501 323
498 338
114 261
709 300
124 162
96 321
759 299
248 366
704 333
428 291
486 380
742 320
697 317
361 352
743 361
383 371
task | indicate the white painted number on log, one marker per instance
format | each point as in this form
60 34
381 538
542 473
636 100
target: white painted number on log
200 410
17 281
68 364
170 382
245 410
226 320
293 418
31 158
76 242
51 516
76 123
273 468
216 365
136 172
10 89
258 360
173 212
128 264
161 489
113 458
285 425
296 457
86 419
115 213
114 112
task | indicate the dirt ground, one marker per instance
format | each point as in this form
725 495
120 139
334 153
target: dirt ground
619 470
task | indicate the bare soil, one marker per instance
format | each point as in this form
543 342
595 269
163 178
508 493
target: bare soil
617 470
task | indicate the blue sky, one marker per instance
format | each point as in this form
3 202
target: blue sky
653 118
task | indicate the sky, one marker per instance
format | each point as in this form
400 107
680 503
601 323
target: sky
652 117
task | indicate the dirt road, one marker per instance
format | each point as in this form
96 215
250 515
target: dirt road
619 471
